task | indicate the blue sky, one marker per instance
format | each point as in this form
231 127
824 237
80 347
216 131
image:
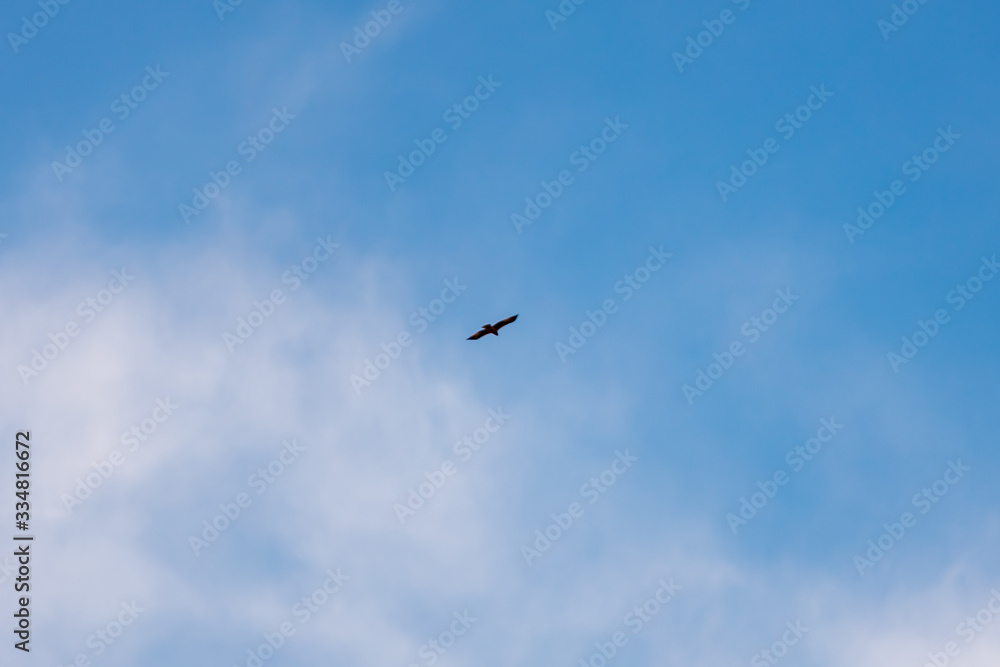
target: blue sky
317 188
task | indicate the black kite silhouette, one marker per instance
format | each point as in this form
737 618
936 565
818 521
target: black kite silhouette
492 328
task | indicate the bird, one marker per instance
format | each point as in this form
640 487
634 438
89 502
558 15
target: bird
492 328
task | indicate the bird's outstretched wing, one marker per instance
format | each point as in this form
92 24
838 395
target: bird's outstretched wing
476 336
503 323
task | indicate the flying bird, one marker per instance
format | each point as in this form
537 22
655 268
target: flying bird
492 328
